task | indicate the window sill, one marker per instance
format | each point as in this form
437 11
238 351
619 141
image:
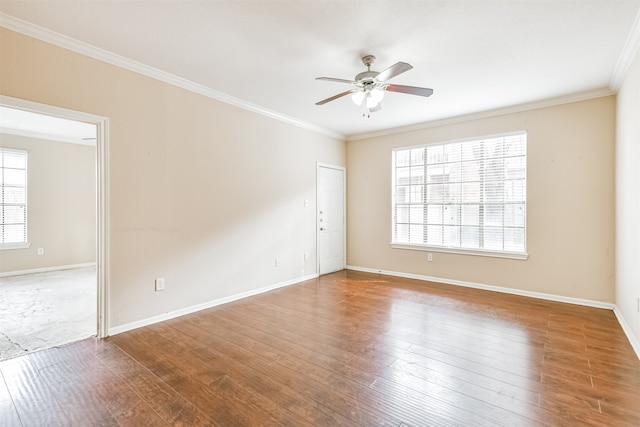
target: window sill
493 254
8 246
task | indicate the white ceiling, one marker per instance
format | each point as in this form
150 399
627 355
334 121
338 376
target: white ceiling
477 55
26 123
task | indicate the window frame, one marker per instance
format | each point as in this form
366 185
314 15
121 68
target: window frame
24 244
456 249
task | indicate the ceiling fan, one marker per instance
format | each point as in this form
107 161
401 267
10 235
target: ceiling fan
369 86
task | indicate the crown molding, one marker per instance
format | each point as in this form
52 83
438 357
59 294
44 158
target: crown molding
632 46
629 51
18 25
576 97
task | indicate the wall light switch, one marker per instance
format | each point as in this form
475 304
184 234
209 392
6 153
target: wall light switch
429 257
160 284
40 251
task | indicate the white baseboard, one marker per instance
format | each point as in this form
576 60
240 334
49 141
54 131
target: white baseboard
627 330
47 269
539 295
209 304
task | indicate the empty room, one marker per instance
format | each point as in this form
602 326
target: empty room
47 274
322 213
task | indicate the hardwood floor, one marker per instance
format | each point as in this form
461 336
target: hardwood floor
349 348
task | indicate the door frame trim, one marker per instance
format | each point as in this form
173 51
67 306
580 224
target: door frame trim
344 211
102 194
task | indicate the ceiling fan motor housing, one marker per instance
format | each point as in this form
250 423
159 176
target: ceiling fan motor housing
367 75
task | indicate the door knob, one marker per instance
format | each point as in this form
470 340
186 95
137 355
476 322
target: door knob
321 228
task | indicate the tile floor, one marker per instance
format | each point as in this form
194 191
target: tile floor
44 310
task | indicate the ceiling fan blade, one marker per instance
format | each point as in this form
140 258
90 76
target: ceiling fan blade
334 97
331 79
411 90
394 70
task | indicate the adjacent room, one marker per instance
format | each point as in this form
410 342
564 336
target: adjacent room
408 213
48 273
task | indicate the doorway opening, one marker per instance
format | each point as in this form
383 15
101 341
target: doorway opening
53 282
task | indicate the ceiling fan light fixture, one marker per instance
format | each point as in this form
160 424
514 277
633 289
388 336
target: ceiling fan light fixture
374 96
358 97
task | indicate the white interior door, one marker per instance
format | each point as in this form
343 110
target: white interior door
331 218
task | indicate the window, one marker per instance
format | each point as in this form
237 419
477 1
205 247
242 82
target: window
13 198
463 196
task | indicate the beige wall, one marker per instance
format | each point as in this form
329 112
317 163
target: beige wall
61 205
207 195
570 206
202 193
628 199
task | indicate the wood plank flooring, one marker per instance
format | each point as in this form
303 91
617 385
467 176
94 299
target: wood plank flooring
347 349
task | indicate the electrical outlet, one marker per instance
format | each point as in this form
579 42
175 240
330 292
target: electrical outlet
40 251
429 257
160 284
306 256
277 262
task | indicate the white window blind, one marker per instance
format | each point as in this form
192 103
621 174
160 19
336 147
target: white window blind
462 195
13 197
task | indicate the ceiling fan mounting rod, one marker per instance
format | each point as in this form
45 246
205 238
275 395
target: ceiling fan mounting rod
368 60
367 75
